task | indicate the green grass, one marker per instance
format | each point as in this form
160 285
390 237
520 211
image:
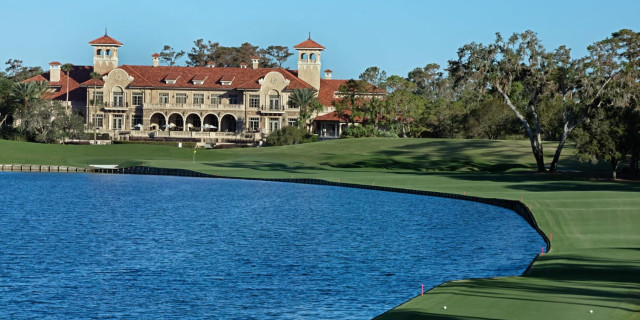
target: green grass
594 262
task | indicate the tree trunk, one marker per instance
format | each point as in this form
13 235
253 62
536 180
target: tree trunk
634 163
556 157
536 144
614 164
3 120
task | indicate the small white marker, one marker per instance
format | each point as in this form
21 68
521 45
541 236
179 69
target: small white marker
590 311
445 307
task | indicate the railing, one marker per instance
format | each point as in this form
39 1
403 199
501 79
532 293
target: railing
267 109
195 134
194 106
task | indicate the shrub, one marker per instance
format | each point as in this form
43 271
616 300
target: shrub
290 135
368 131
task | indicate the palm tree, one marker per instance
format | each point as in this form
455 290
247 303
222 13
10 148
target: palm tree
307 102
24 93
27 92
67 69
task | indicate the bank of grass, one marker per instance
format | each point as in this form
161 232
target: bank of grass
594 262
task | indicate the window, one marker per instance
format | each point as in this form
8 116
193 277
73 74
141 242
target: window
118 99
254 101
215 99
274 102
233 99
108 52
98 120
292 122
198 98
98 97
118 120
274 124
163 98
137 98
136 122
254 124
99 52
181 98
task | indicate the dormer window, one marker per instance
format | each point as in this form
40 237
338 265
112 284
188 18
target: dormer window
199 79
171 78
226 80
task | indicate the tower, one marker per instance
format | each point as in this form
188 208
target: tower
309 62
105 53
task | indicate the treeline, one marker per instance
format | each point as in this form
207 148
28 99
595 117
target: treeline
514 88
203 53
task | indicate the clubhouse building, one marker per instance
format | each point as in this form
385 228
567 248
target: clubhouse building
222 103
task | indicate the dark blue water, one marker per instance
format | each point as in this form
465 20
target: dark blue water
126 246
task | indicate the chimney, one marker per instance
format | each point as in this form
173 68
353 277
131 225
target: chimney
156 59
254 62
54 71
211 64
243 65
327 74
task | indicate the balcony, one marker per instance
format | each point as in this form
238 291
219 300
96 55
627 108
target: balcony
272 110
108 106
193 106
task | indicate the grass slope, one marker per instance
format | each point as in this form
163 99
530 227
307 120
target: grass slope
594 262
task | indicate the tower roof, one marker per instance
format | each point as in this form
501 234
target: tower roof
309 44
105 40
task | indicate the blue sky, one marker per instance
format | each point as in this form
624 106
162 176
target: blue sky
396 36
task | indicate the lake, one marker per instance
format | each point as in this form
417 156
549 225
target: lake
131 246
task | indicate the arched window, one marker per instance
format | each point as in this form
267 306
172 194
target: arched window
108 52
118 97
99 52
303 56
312 57
274 100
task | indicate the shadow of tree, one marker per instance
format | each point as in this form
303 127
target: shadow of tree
296 167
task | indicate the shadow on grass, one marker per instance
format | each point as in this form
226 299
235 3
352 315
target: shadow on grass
579 293
573 267
420 164
295 167
545 182
410 314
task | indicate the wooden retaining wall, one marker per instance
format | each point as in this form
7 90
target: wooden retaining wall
41 168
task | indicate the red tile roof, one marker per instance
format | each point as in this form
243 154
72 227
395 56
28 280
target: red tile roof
309 44
333 116
199 77
328 70
106 40
328 88
243 78
155 55
54 63
172 76
78 76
